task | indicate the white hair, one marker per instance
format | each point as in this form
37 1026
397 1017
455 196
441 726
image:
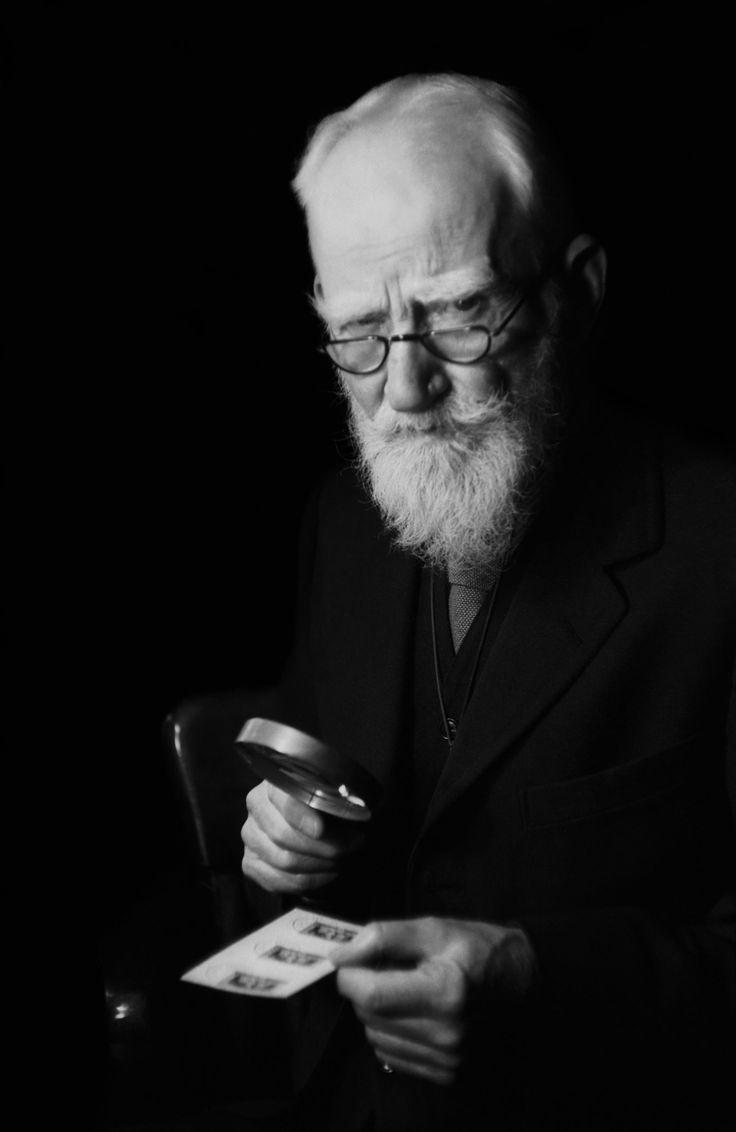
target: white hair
477 111
456 485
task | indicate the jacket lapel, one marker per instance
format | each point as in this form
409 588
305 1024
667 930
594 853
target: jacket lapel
567 605
562 613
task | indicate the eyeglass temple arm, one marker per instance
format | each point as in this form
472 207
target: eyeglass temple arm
504 322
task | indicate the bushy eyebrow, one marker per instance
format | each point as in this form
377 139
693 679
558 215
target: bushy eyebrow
432 294
457 285
365 319
442 301
339 319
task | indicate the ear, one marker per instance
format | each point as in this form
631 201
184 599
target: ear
585 267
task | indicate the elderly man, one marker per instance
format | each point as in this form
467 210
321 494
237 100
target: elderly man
517 612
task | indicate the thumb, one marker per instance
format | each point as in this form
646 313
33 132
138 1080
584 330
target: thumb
389 943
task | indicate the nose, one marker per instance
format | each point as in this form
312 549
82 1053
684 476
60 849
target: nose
415 379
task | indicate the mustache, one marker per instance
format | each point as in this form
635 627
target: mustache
447 482
445 419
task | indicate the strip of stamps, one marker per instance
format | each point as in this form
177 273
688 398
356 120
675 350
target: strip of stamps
277 960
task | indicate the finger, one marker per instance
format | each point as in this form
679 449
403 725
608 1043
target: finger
288 860
436 1074
267 822
297 814
444 1036
426 1073
386 943
343 835
276 880
429 1056
436 989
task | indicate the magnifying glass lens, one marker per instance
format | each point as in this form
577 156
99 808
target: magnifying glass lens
308 769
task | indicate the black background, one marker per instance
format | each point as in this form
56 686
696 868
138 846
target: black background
166 412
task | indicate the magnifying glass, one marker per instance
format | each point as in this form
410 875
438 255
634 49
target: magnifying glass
308 769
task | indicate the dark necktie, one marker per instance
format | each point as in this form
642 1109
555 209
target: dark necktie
468 591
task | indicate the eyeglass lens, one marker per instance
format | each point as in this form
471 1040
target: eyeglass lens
361 355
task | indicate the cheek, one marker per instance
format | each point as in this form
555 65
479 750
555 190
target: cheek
478 382
367 392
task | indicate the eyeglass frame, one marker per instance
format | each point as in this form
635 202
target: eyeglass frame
421 336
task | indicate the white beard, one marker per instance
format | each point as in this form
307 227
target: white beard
453 485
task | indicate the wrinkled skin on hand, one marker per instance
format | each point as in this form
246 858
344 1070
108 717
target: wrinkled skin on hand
290 848
415 983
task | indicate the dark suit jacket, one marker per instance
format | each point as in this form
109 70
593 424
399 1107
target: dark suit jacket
587 794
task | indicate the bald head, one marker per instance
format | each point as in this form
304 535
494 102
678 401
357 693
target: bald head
385 183
449 135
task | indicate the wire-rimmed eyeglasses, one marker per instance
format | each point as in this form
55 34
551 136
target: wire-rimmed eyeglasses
462 345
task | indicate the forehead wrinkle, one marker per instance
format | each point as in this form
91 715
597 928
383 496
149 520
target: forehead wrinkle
348 308
451 284
425 290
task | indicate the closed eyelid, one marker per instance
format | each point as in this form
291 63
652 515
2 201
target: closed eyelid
380 322
483 294
468 302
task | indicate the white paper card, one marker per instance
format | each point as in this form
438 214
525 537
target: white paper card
278 959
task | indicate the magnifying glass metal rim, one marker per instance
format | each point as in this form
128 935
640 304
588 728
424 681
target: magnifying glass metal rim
339 786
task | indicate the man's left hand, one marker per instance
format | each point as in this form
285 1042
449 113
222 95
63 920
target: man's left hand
414 984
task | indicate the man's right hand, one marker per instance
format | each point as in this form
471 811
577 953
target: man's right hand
291 848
